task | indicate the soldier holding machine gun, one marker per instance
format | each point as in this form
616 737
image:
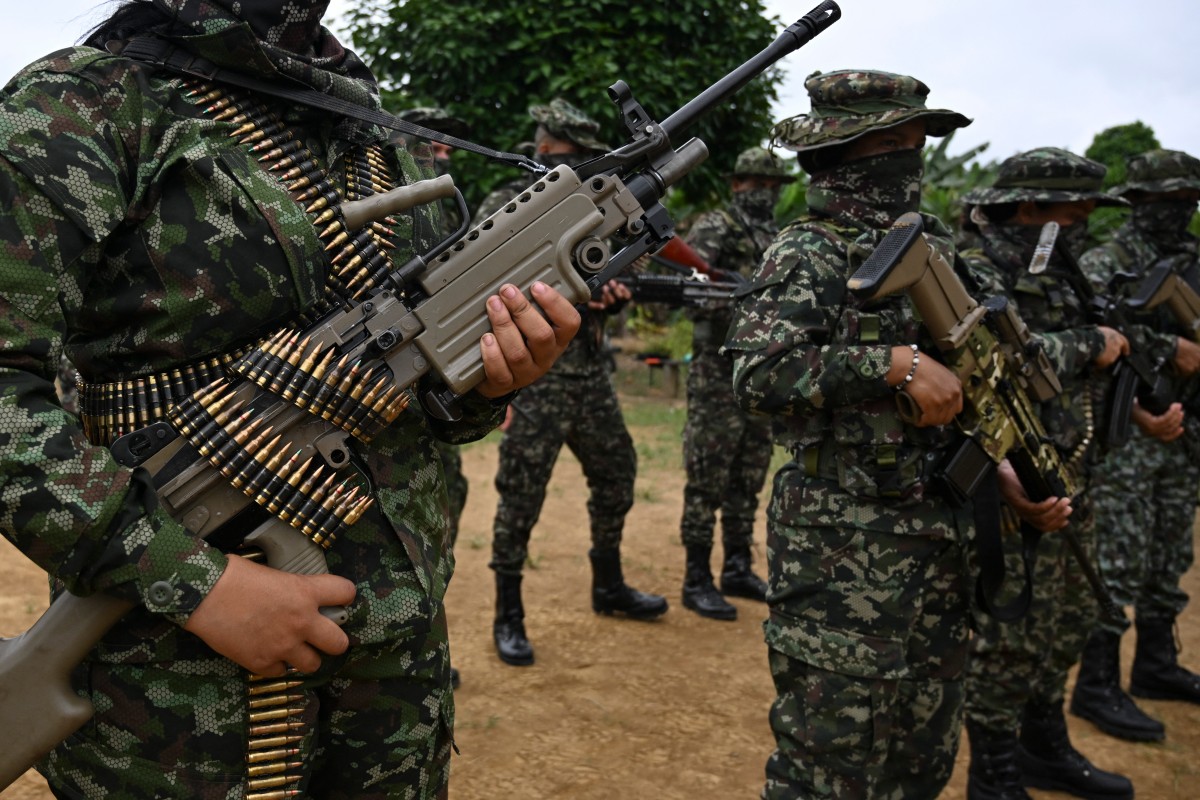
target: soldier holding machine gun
1145 496
726 452
1018 669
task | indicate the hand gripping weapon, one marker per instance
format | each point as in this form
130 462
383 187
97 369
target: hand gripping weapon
240 460
1003 373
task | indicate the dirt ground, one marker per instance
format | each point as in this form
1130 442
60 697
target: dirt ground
665 710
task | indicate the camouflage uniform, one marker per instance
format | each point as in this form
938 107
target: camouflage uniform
1018 670
438 119
869 614
726 452
1145 496
574 404
139 236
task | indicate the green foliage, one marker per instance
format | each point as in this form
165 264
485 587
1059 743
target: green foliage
488 62
948 178
1112 147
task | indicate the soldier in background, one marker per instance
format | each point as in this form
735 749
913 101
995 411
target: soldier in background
726 451
1145 496
574 404
1017 674
867 560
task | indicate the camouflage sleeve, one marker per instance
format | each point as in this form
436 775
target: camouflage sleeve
1071 352
785 359
63 502
707 236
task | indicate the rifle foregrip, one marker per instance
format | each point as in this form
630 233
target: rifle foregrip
865 283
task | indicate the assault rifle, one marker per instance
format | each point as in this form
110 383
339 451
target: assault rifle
679 291
1003 374
1165 283
1134 376
425 319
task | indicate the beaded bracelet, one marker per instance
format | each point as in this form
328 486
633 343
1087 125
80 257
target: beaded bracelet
912 370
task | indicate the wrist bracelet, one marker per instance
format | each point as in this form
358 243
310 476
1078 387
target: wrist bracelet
911 370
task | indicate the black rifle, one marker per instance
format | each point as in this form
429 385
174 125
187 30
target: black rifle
1134 376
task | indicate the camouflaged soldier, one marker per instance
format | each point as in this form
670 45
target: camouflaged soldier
726 452
1017 673
576 405
151 232
867 561
1145 497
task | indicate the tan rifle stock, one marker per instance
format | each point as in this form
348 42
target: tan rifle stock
1163 284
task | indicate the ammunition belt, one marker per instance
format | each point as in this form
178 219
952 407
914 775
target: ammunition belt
110 410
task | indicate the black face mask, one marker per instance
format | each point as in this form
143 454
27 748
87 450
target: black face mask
1024 238
888 185
1166 218
757 204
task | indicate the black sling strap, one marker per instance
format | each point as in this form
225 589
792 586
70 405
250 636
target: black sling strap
161 53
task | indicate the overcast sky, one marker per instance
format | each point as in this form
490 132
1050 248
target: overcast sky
1030 72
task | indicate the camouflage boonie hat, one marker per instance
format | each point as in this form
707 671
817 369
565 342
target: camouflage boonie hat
1160 171
1048 175
848 103
436 119
758 162
565 121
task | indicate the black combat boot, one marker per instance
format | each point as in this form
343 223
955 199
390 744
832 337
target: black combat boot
1156 673
1048 761
1099 698
736 578
699 592
610 594
508 631
993 774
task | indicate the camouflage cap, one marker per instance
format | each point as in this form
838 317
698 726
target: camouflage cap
1048 175
1160 171
758 162
848 103
436 119
565 121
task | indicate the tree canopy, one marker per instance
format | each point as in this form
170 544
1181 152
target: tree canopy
488 62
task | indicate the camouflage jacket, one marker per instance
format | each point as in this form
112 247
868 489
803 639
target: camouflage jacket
138 236
727 241
1132 251
805 351
588 353
1056 314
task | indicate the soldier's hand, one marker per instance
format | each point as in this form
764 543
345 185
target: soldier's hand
935 390
266 620
524 344
1051 514
1115 346
1166 427
611 293
1187 356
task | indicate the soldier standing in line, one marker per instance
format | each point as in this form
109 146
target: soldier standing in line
867 559
726 451
1017 674
574 404
1145 497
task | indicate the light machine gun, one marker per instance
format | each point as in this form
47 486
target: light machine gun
1003 373
239 460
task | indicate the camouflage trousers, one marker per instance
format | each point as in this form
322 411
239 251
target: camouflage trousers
726 453
867 639
581 412
456 484
1026 661
1145 502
